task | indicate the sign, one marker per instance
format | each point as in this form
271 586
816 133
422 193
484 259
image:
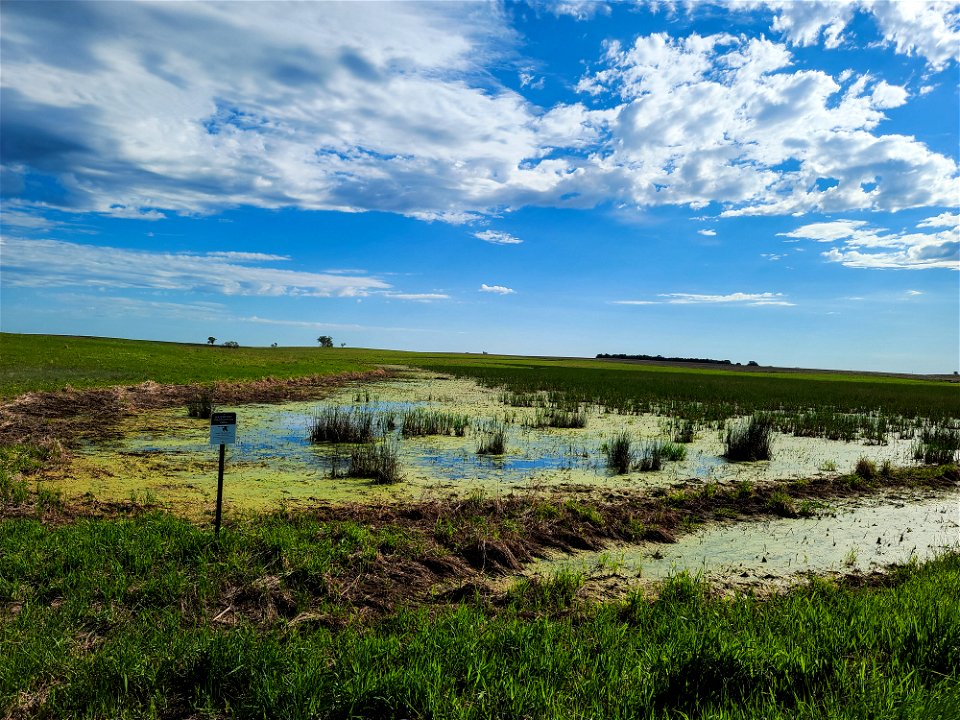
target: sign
223 428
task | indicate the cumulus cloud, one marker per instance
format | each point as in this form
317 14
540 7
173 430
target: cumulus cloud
737 298
708 233
727 119
497 238
496 289
927 28
861 245
54 263
142 110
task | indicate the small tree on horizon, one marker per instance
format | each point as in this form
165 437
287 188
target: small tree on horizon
325 341
211 340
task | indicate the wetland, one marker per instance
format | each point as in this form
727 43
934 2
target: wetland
555 519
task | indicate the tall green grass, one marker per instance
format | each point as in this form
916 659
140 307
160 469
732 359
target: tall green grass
421 421
344 425
116 619
749 439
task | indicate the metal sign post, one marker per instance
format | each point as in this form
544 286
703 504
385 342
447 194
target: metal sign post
223 432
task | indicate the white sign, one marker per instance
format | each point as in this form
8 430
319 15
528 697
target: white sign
223 428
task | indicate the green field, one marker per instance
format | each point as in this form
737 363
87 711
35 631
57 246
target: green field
127 610
148 617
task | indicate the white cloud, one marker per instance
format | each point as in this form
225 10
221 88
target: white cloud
914 293
728 119
53 263
868 247
417 297
708 233
497 238
737 298
828 231
946 219
140 110
577 9
496 289
927 28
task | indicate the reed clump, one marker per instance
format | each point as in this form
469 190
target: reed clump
749 440
492 439
343 425
421 421
619 453
558 418
379 461
937 446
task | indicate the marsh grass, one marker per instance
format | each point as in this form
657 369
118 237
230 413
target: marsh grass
866 469
344 425
379 461
937 445
492 439
553 593
618 453
749 440
421 421
557 418
201 406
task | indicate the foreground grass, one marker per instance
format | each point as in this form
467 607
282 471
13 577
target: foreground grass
148 617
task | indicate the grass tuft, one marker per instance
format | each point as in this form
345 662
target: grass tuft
749 440
343 425
201 406
937 446
492 440
378 461
618 452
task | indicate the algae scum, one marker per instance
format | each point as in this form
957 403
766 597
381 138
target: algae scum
165 455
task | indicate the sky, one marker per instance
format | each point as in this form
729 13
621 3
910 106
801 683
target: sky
752 180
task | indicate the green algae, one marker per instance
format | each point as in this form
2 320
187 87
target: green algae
165 454
853 536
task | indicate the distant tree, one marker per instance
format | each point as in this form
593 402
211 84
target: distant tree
343 345
753 363
325 341
211 340
273 345
231 344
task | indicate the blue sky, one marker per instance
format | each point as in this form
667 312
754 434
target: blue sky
749 180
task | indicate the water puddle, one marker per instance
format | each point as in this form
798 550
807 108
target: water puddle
775 553
165 454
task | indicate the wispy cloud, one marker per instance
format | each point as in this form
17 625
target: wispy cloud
417 297
498 238
708 233
496 289
738 298
863 246
53 263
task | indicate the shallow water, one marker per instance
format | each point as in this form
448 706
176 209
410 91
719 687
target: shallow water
165 453
850 537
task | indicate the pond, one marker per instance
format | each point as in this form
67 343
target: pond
165 455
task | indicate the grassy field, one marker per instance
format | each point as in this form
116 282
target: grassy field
134 612
149 617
